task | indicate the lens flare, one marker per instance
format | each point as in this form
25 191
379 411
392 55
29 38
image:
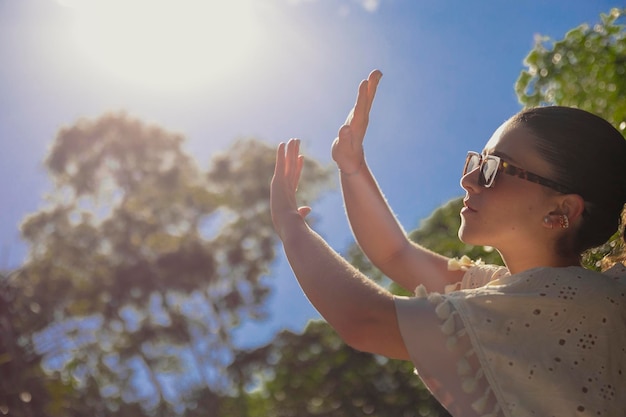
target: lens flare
171 44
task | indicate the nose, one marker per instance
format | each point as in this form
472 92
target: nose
469 181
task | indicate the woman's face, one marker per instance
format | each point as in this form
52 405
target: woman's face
509 215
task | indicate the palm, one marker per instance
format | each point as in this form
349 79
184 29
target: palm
347 149
287 172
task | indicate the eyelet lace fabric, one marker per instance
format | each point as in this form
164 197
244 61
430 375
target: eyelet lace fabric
547 342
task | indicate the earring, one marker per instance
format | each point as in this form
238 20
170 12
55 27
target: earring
562 219
548 222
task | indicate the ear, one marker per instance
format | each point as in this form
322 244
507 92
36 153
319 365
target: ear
569 208
573 206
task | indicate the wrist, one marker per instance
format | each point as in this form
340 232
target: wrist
354 171
289 226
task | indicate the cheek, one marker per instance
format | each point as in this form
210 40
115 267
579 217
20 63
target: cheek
521 212
503 216
521 215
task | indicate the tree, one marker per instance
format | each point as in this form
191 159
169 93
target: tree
140 267
585 69
316 374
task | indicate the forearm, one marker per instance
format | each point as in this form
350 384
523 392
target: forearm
372 221
383 239
352 304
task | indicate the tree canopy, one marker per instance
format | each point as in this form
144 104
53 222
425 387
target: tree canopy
316 374
140 267
586 69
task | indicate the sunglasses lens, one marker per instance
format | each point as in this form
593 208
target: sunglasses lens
472 162
489 171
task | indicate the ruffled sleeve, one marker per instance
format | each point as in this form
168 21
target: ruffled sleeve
480 275
443 355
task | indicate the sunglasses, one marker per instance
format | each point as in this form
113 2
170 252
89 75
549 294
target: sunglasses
490 165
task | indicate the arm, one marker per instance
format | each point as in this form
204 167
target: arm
365 316
360 311
373 223
385 242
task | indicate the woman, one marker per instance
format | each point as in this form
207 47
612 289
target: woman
540 337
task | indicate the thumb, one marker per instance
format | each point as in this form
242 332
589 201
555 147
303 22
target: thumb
345 133
342 143
304 211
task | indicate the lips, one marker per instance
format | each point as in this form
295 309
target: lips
467 207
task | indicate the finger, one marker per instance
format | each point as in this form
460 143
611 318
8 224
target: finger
350 116
295 164
358 105
375 75
299 170
304 211
290 157
372 84
279 168
345 136
365 96
361 105
341 143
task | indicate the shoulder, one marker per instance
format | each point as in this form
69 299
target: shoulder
577 274
617 272
479 275
577 284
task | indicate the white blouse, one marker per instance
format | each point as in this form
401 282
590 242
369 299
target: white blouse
544 342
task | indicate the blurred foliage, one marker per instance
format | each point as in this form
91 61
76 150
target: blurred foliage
316 374
587 70
139 268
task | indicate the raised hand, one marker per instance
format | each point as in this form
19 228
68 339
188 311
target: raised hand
287 172
347 149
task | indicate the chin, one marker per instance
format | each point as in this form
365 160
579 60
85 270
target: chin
466 236
464 233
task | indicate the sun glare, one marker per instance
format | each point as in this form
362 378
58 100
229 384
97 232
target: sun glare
168 44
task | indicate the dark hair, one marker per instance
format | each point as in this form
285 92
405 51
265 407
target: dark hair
588 156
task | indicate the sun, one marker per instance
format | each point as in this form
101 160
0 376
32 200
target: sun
167 44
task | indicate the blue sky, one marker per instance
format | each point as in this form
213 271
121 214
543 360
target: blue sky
271 69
